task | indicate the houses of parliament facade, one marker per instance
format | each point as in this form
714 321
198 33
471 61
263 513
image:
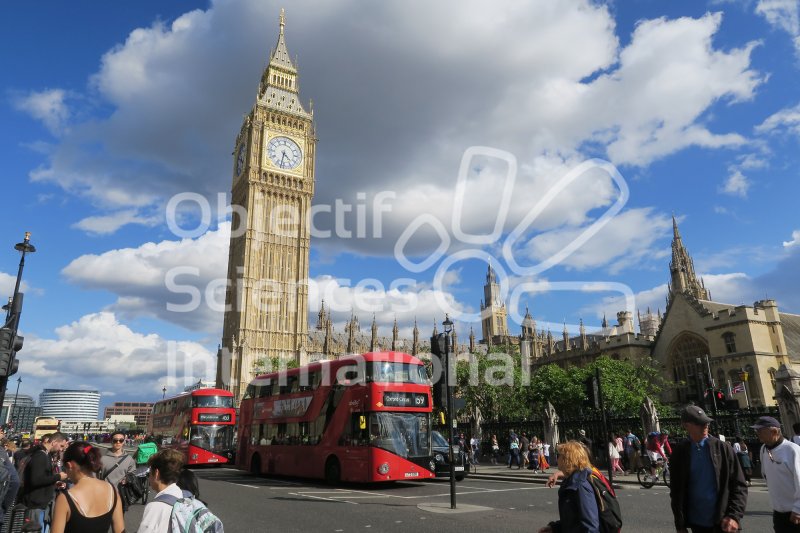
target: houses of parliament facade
273 174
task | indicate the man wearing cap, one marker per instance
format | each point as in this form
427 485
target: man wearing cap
708 491
780 466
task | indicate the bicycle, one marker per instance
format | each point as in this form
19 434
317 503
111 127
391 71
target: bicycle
647 480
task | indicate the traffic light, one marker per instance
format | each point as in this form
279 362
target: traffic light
438 350
10 343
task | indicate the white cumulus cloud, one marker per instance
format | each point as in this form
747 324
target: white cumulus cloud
737 184
97 351
794 241
48 106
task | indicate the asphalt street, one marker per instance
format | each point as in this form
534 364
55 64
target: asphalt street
246 503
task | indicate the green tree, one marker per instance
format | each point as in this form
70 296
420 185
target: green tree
563 388
626 384
273 364
494 383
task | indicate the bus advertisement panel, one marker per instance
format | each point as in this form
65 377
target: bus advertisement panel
200 424
363 418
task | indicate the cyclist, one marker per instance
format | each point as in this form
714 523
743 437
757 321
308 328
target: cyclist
657 446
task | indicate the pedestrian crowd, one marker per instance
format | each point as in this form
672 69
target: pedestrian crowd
709 478
59 486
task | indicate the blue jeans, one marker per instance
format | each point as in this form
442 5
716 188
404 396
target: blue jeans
40 514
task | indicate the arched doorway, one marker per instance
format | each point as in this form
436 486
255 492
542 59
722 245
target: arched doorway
686 364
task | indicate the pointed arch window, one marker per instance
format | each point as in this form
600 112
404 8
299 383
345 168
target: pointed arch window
730 342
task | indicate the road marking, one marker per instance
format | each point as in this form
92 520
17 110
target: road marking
243 485
321 498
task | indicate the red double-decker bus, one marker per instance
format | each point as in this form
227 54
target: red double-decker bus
200 424
363 418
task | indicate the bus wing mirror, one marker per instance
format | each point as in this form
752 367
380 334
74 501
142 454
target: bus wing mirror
362 422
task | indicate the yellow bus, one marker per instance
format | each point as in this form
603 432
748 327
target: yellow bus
44 425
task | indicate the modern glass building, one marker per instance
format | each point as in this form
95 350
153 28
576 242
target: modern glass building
70 404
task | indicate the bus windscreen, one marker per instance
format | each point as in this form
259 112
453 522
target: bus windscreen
404 434
215 439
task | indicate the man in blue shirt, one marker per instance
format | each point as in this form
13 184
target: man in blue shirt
707 491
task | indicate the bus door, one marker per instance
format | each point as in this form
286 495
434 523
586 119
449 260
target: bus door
356 455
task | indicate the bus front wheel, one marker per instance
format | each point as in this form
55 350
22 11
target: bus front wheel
333 471
255 465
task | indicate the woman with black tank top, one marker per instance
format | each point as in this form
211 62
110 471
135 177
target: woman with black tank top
91 505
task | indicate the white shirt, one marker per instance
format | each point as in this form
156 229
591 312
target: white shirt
796 439
156 514
782 473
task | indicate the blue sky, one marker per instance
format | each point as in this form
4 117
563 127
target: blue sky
111 109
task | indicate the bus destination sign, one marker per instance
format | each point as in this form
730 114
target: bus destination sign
214 417
405 399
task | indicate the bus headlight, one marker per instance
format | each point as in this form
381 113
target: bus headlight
439 458
383 469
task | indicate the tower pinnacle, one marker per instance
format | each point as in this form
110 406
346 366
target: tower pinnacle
683 277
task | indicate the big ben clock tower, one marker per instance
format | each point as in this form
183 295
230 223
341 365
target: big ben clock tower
273 183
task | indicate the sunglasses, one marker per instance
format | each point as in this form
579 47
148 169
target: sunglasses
117 440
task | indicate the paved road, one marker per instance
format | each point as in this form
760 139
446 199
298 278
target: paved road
247 503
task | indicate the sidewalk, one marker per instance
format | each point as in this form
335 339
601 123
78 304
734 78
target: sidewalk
503 473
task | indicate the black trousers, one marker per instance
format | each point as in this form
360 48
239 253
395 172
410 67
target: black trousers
782 523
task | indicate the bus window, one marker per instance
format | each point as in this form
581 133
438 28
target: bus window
265 390
354 434
391 372
291 385
249 392
213 401
309 381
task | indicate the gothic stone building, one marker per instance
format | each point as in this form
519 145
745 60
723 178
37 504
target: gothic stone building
697 342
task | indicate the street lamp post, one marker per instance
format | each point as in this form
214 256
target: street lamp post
711 385
12 319
16 395
744 375
447 325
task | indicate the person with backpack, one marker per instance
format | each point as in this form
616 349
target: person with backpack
632 445
577 504
38 478
90 505
708 492
9 485
174 508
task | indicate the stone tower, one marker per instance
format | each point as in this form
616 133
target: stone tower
494 321
273 181
681 268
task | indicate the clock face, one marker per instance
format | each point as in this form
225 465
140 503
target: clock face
240 156
284 152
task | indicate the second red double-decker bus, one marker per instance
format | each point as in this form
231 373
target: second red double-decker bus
200 424
362 418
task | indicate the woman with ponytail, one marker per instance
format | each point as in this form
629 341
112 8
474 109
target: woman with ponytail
91 505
